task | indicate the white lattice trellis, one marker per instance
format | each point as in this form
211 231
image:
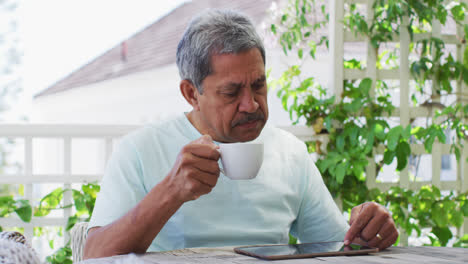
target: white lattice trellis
339 36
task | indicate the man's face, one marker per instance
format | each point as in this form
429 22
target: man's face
233 106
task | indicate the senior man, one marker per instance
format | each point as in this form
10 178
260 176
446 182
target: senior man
162 189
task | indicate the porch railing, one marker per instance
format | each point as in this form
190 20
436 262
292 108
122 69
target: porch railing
108 134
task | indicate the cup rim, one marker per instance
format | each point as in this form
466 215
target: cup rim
240 143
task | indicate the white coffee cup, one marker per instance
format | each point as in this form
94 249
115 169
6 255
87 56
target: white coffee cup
241 161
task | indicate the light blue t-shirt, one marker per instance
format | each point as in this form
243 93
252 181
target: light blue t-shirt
288 194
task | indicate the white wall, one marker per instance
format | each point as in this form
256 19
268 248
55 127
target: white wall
131 99
144 97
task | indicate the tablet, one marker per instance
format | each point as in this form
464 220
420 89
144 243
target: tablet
305 250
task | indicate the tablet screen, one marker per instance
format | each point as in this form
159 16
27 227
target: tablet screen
305 250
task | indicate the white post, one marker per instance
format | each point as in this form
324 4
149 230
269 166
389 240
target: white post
462 168
437 147
371 72
336 33
28 188
404 101
67 196
336 44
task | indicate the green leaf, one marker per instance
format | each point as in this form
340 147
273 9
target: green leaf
369 142
354 134
458 12
300 53
324 164
457 153
465 28
393 137
464 208
407 132
432 132
340 172
80 202
443 234
464 238
379 131
72 220
388 156
313 49
358 171
292 240
403 151
273 28
6 200
439 215
25 213
465 53
365 86
51 244
440 135
465 69
457 218
340 143
284 18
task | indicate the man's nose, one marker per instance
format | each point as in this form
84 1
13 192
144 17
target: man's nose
247 102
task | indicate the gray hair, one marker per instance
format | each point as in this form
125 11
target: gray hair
211 33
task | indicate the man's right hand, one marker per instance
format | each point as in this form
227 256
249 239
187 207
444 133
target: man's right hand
196 170
194 174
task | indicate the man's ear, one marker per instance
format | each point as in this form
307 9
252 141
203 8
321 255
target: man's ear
190 93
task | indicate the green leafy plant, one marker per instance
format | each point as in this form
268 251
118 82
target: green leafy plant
83 203
426 208
10 204
357 122
62 255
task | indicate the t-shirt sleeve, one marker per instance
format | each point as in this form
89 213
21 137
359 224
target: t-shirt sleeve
121 187
319 218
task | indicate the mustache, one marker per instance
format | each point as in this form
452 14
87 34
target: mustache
258 116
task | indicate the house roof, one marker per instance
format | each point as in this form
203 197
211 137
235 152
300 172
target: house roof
153 47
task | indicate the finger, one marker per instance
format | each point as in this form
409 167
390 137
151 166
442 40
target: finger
388 241
385 242
387 230
355 212
375 224
206 178
205 139
359 223
203 164
203 150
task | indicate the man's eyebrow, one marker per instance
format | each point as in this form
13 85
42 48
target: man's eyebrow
235 86
230 85
261 79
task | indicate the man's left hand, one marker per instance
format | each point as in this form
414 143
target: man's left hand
373 224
